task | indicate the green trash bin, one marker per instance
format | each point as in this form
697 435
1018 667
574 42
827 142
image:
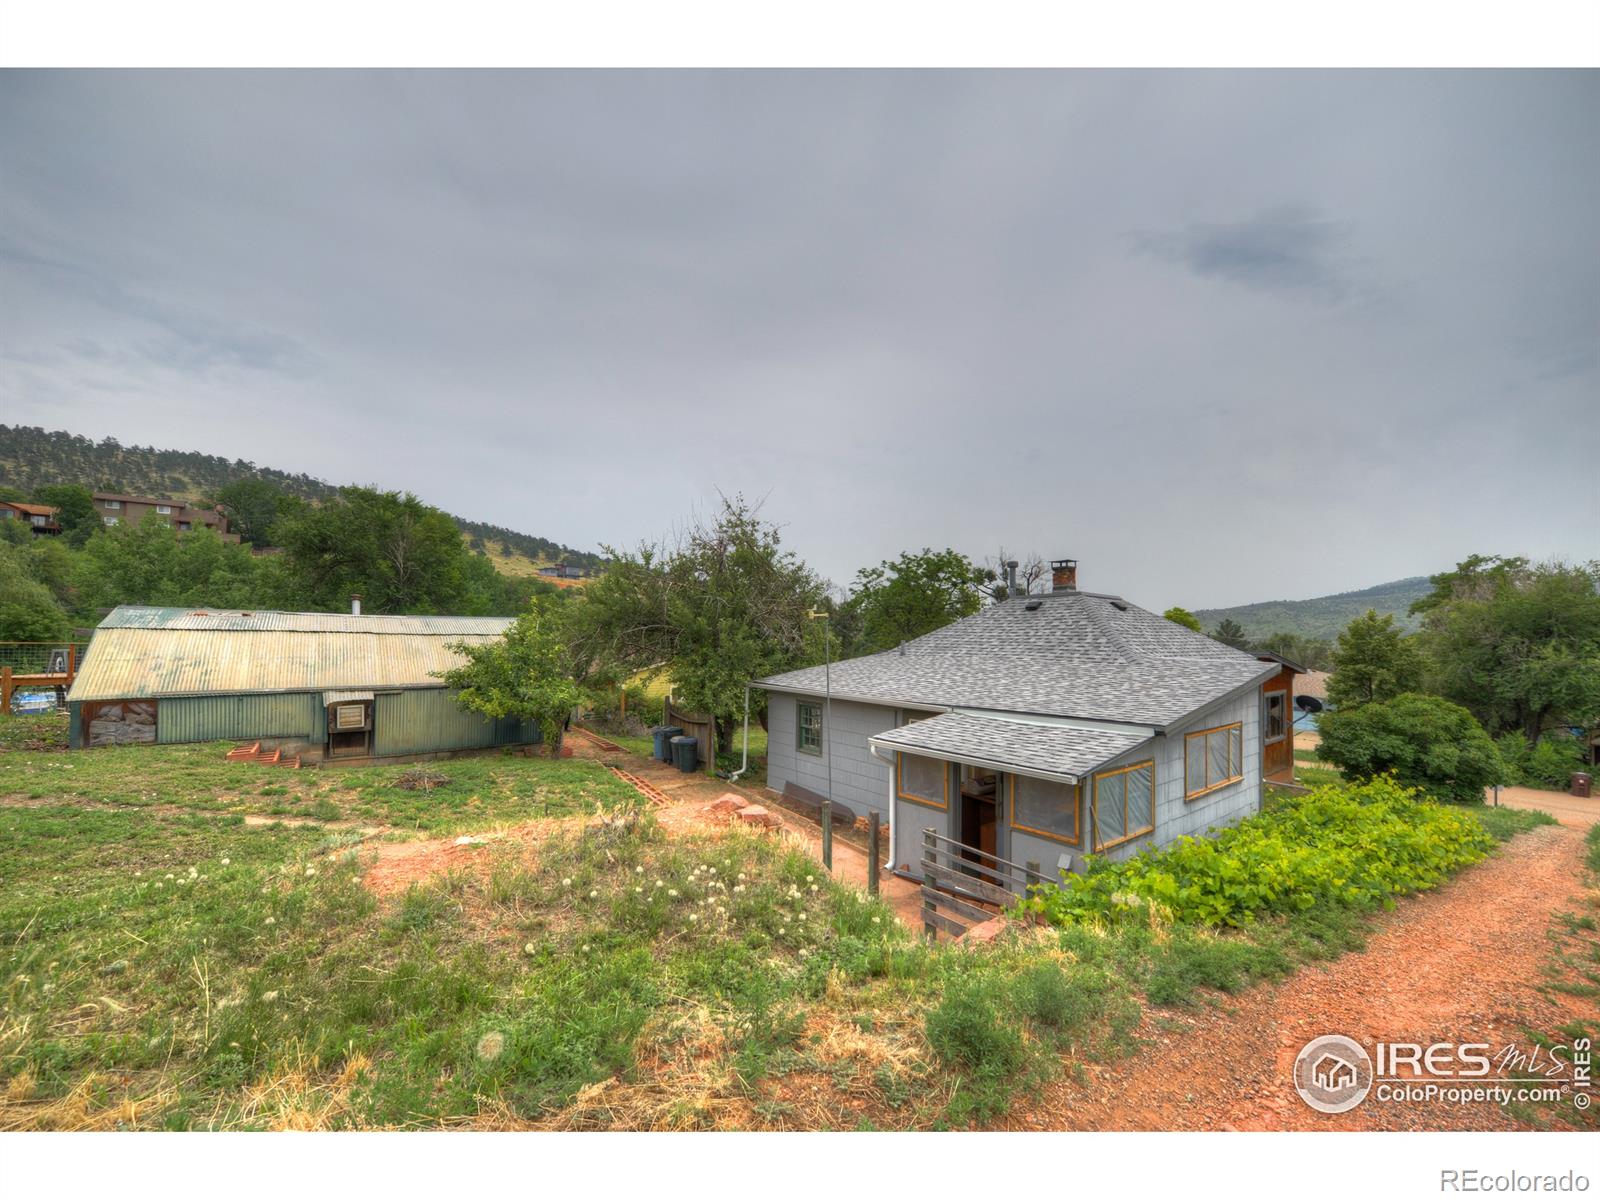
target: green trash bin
685 754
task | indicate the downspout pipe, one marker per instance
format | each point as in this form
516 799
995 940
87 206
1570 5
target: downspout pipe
745 764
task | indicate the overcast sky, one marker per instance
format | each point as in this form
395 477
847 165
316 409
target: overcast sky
1221 336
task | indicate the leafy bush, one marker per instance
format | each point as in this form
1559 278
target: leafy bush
1424 741
1339 845
1547 764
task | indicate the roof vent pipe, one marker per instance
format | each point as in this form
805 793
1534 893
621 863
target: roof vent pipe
1064 575
1011 578
355 604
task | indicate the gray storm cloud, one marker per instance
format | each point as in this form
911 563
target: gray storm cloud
1221 336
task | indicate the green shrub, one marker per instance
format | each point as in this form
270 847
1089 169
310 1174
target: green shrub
966 1029
1350 846
1424 741
1549 763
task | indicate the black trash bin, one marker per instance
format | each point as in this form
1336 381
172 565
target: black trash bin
686 753
664 735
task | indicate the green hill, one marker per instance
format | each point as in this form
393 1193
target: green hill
1322 616
31 457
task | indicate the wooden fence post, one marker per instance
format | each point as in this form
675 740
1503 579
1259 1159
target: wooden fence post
874 838
827 834
5 690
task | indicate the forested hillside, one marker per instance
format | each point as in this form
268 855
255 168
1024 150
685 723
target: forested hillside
1322 616
31 457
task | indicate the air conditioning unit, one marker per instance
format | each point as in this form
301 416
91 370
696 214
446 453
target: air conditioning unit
350 716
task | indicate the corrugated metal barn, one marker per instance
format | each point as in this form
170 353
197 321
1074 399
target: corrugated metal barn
330 685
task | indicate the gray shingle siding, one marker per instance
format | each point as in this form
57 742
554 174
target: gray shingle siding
859 780
1175 816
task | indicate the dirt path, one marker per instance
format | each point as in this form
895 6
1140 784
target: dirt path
1578 811
1457 964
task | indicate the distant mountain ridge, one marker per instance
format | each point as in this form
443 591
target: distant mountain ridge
31 457
1322 616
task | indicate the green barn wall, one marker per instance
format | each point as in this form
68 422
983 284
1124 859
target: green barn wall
236 718
428 720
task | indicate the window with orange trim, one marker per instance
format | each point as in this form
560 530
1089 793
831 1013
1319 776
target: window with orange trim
1212 759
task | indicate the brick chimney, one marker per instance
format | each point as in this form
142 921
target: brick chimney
1064 575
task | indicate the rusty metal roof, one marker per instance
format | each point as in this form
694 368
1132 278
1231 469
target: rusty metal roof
152 652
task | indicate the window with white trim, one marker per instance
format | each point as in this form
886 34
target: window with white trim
165 509
1274 717
808 728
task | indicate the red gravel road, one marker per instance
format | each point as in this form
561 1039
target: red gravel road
1457 964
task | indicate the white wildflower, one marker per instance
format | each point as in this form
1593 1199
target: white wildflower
226 861
566 883
529 948
268 997
272 920
594 895
875 920
490 1045
673 892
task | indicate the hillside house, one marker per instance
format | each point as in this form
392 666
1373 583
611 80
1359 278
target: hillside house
331 686
114 508
40 517
1041 729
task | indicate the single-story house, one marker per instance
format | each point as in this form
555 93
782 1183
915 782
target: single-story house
324 685
1042 728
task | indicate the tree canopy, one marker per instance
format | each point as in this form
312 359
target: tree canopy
1516 643
1373 661
527 674
725 605
1231 633
913 595
1182 616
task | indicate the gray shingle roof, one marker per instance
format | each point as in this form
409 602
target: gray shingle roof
1077 654
1002 742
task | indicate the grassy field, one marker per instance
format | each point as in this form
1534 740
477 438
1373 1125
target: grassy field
165 963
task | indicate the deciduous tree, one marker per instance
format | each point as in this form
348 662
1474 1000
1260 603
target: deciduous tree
1184 617
1373 661
527 674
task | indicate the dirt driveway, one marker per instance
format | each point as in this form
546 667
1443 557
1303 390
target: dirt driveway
1457 964
1577 811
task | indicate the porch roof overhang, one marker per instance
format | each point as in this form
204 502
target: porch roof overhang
1061 752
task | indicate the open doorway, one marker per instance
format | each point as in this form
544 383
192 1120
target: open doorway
979 805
